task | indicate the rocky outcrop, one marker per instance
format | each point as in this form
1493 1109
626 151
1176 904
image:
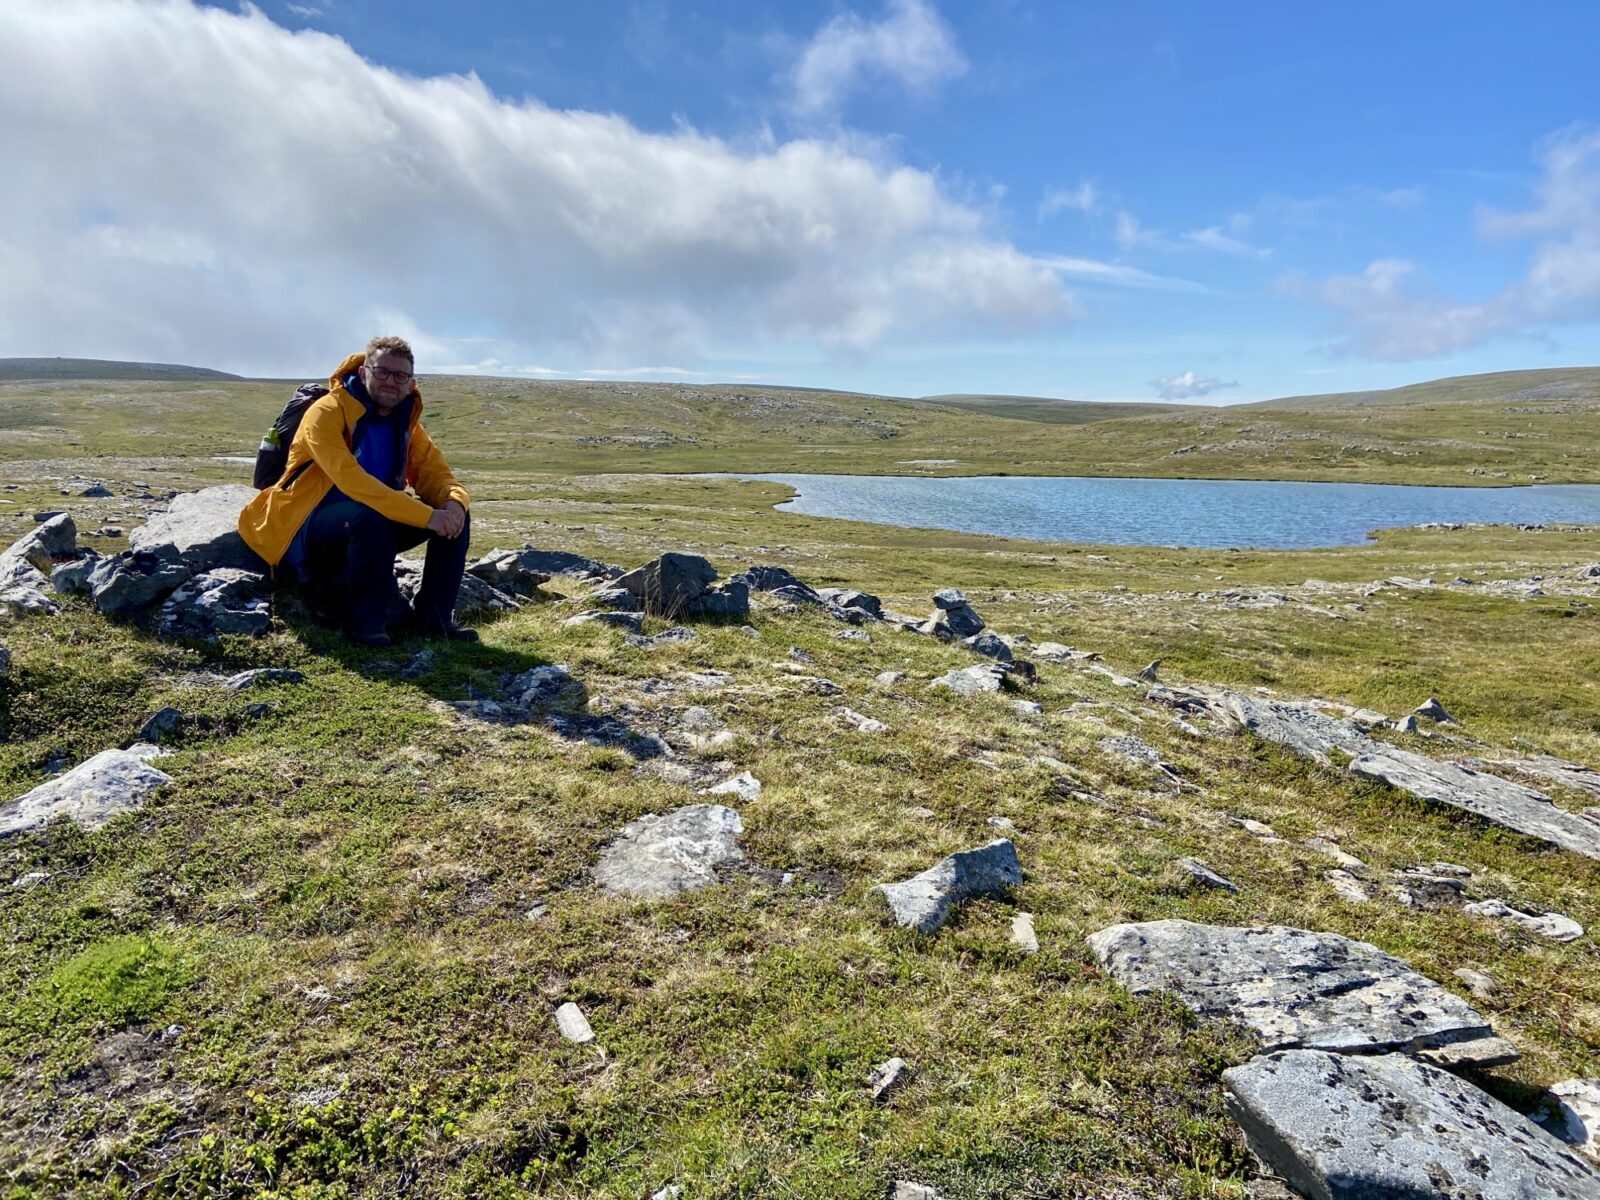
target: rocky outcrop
112 782
1293 988
1372 1128
925 901
43 546
201 528
661 854
678 583
509 571
127 582
475 601
226 600
972 681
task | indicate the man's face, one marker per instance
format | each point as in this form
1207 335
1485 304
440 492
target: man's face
388 378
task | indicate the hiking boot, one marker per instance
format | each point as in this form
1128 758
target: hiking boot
447 629
374 639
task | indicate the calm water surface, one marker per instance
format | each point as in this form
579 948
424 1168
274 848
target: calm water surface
1173 512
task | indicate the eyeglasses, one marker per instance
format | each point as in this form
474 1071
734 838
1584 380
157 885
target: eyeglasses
385 373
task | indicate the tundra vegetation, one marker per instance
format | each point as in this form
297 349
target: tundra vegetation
326 960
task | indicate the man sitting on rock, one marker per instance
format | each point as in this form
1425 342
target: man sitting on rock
341 512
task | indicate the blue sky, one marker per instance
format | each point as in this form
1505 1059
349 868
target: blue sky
1213 202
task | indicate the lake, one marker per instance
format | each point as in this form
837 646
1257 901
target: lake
1172 512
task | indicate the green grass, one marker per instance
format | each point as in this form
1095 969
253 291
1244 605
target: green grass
331 901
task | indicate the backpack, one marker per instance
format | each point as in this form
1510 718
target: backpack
273 453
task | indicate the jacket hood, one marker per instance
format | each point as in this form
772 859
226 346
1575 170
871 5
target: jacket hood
352 405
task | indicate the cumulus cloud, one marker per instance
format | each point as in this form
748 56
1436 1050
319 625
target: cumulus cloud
1389 310
910 45
193 183
1188 386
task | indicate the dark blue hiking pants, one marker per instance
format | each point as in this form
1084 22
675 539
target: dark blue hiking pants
350 553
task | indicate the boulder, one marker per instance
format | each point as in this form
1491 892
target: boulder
776 579
127 582
743 785
614 599
507 571
949 598
1292 987
1366 1128
557 562
952 618
112 782
731 599
661 854
73 576
666 585
202 528
475 601
22 591
43 546
989 645
925 901
226 600
849 598
971 681
1205 876
1572 1113
1434 711
544 687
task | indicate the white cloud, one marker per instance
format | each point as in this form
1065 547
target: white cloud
1084 198
190 183
1388 311
1119 274
1188 386
1224 238
910 45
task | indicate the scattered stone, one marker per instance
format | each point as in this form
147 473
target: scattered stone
920 812
1148 671
1307 732
73 576
1478 983
1434 711
674 633
1386 1126
800 654
853 601
1290 987
886 1077
133 579
1554 926
750 631
549 686
661 854
475 600
862 722
888 678
574 1026
614 599
1205 876
924 902
667 585
22 592
1002 823
109 531
1023 936
42 547
261 676
31 879
743 785
671 1192
972 681
1406 724
1027 708
1349 863
853 635
509 571
223 600
162 724
48 514
1116 677
93 792
989 645
1141 753
96 491
710 743
904 1189
421 663
698 717
1572 1113
201 529
558 562
725 600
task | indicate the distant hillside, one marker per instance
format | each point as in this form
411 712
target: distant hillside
101 368
1046 409
1554 383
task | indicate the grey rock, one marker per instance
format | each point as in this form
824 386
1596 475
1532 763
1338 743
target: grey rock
96 491
949 598
667 584
1023 936
888 678
862 722
1305 731
1478 983
730 599
1507 804
661 854
853 635
202 528
850 598
972 681
109 531
776 579
161 725
73 576
48 514
905 1189
1148 671
474 601
886 1077
5 663
1434 711
558 562
261 676
1572 1111
614 599
127 582
1557 770
631 621
22 591
226 600
549 686
1339 1127
925 901
952 624
1347 886
1554 926
989 645
1290 987
112 782
421 663
507 571
1205 876
675 633
573 1025
43 546
743 785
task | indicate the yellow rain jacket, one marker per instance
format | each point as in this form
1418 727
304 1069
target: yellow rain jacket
320 459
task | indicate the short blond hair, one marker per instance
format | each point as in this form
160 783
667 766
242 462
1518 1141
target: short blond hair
391 345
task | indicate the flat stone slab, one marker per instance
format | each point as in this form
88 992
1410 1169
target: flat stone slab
1307 732
972 681
1340 1127
925 901
1507 804
1291 987
662 854
203 527
1555 926
94 791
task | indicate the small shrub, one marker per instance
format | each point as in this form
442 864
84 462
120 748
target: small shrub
120 980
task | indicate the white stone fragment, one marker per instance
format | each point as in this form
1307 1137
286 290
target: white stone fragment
574 1026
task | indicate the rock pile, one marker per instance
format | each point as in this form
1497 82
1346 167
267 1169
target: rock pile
677 583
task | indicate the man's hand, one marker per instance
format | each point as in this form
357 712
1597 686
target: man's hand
449 520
